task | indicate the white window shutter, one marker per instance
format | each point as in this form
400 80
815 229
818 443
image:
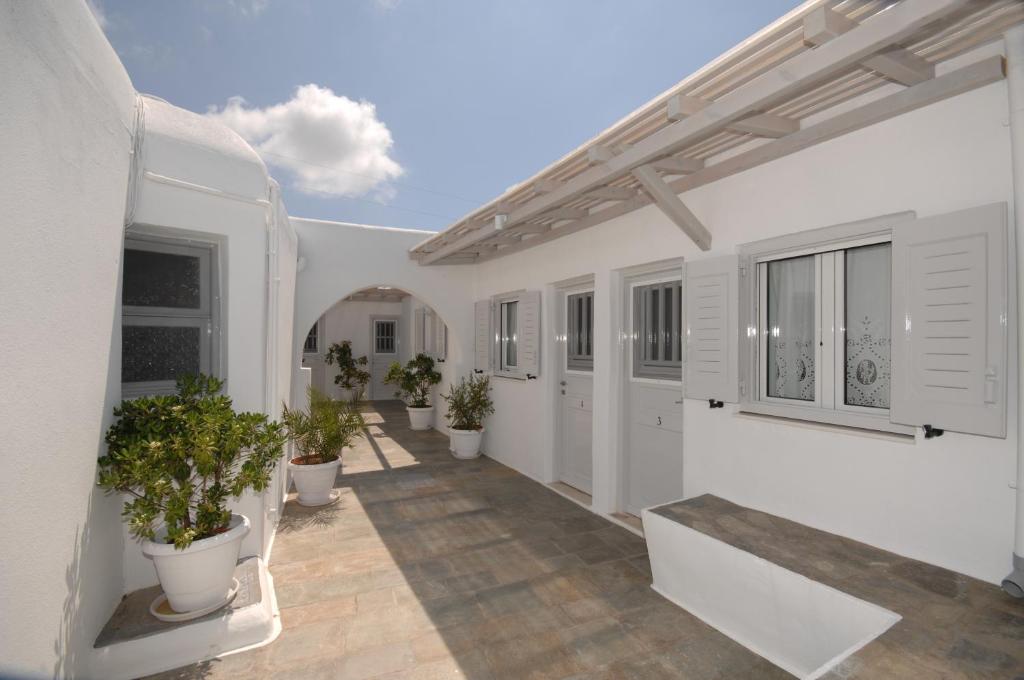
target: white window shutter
949 314
529 334
439 338
419 315
712 329
484 338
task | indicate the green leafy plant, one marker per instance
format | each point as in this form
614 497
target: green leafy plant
350 376
181 457
324 430
469 403
414 380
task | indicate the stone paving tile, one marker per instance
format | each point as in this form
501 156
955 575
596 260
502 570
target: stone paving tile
432 568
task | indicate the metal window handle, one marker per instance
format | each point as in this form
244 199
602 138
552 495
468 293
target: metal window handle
562 383
679 401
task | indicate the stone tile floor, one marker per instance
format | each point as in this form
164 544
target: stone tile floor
953 626
433 568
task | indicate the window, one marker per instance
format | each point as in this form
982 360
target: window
824 329
508 336
168 314
580 325
384 336
312 344
657 327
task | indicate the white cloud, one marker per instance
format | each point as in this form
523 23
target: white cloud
332 145
97 11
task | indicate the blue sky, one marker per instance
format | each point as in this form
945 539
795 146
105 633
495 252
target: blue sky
414 112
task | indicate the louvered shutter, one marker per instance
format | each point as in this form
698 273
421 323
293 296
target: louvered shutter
484 338
949 312
712 323
419 315
440 333
529 334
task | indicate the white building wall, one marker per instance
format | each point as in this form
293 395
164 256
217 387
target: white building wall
351 321
337 259
946 501
65 131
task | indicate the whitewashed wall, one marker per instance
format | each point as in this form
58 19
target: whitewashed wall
338 259
351 321
65 132
945 501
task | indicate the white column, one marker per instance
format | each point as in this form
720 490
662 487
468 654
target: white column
607 390
1015 86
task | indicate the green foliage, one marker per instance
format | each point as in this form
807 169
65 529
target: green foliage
182 457
414 380
350 375
469 403
322 432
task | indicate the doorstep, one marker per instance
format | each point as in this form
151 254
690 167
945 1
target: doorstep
134 643
951 625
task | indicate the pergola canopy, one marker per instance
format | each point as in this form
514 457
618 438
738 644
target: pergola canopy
825 69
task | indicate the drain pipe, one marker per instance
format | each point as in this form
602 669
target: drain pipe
1014 38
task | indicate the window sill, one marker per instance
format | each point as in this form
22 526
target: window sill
851 423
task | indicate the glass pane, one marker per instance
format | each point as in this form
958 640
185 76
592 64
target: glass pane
151 353
653 326
791 306
868 286
588 328
677 325
580 332
669 326
161 280
509 334
311 340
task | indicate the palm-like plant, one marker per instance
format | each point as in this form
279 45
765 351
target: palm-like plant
324 430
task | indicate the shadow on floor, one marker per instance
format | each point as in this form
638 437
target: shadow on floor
432 567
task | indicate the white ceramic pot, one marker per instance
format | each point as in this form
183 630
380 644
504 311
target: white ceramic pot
420 418
314 482
465 444
200 576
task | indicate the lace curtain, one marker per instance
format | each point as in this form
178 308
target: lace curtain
868 286
791 305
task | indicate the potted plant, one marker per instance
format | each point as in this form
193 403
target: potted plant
468 404
319 435
350 378
414 381
180 458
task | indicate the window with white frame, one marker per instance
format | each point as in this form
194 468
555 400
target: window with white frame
312 344
657 328
579 315
508 336
168 314
824 336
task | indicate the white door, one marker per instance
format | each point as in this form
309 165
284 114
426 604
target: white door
384 344
574 460
653 467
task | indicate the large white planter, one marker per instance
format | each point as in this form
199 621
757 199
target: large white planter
200 576
465 444
420 418
315 483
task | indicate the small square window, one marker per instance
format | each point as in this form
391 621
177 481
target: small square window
580 331
658 331
312 344
385 332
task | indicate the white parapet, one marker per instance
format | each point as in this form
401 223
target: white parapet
800 625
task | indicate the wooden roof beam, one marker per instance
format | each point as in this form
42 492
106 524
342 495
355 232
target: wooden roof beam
680 106
795 75
894 63
670 204
678 165
559 214
612 193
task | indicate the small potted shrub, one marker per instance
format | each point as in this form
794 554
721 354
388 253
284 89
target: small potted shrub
180 458
319 435
350 378
414 381
468 404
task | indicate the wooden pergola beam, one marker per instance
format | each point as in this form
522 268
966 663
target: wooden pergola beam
795 75
612 193
942 87
670 204
564 214
678 165
894 63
